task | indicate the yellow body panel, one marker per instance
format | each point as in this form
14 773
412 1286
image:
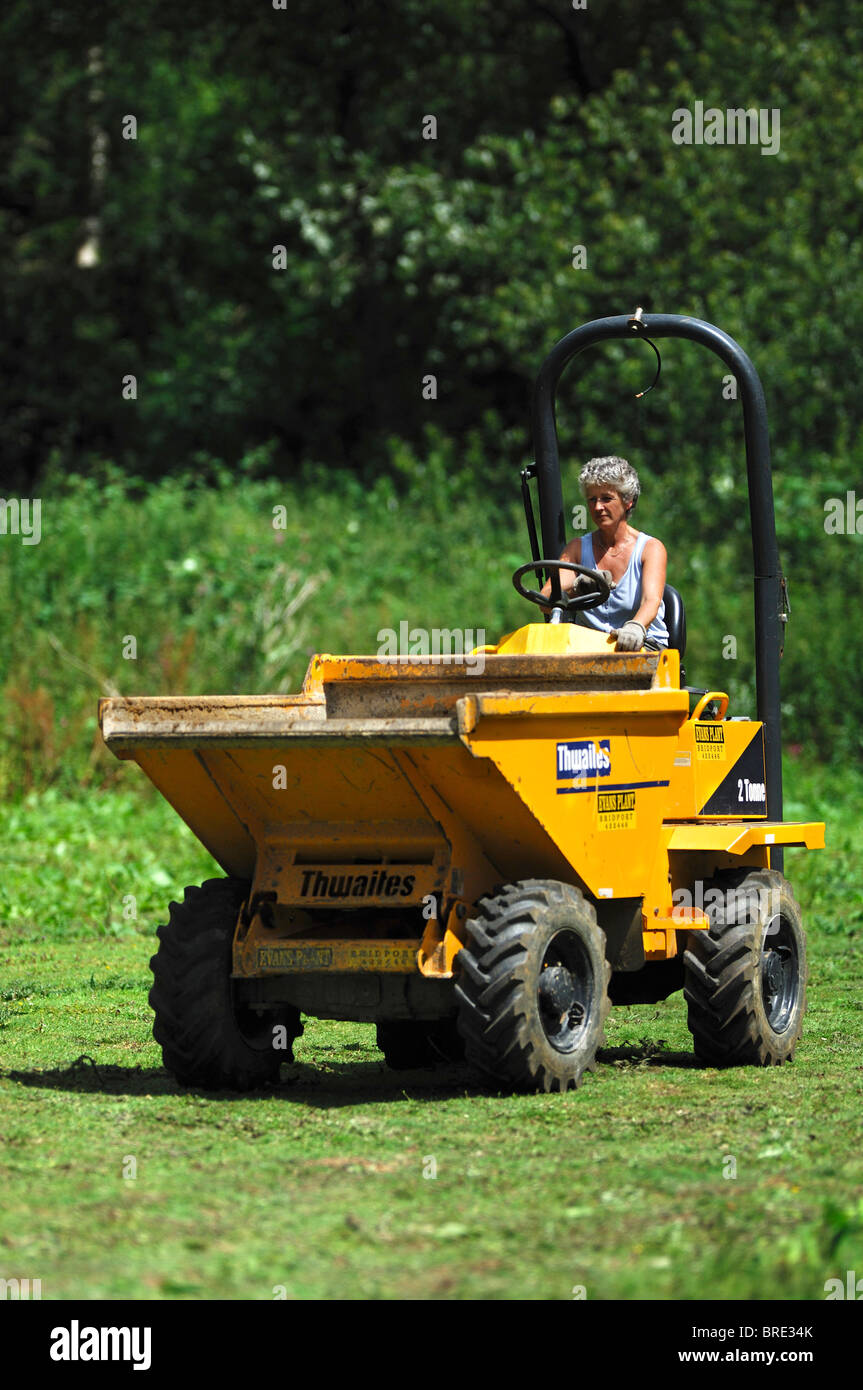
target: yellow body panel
593 769
388 783
736 837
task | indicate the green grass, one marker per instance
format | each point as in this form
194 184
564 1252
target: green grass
218 597
318 1186
224 593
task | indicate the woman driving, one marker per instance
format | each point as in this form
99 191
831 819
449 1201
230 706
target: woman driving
634 563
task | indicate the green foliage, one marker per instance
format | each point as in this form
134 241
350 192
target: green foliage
407 255
221 599
453 256
260 388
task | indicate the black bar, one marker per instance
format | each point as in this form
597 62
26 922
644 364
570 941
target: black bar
659 1334
526 474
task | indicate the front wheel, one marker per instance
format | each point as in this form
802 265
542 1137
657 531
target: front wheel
745 978
533 987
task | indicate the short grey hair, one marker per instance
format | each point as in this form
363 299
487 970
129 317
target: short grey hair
611 471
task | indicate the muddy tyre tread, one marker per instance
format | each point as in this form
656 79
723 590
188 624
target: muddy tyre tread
722 986
497 1013
195 1025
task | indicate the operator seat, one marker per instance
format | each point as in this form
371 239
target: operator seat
675 619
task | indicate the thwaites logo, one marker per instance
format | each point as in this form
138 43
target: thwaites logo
379 883
586 758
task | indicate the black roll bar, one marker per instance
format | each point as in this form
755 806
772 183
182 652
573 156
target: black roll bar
769 606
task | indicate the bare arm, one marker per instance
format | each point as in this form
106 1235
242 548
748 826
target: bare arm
653 566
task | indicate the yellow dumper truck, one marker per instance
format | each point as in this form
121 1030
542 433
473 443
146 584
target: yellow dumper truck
481 856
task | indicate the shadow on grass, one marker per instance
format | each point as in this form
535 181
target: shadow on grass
326 1084
647 1054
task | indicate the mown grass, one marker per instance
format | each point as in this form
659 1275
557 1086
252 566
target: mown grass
317 1187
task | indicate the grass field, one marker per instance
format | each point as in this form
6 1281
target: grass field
323 1187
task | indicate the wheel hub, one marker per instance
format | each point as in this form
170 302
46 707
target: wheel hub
556 991
773 972
563 992
780 975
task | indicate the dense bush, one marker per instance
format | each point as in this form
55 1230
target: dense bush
221 600
302 127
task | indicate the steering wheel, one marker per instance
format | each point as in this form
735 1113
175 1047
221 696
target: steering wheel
577 603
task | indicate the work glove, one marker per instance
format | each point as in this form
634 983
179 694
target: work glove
585 585
630 638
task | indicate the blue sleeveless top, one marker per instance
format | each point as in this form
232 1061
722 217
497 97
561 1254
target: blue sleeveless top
625 600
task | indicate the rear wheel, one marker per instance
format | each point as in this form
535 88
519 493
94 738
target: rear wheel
409 1044
533 987
208 1037
745 978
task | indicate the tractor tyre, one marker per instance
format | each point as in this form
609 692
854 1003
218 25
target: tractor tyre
745 977
407 1045
533 986
208 1038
